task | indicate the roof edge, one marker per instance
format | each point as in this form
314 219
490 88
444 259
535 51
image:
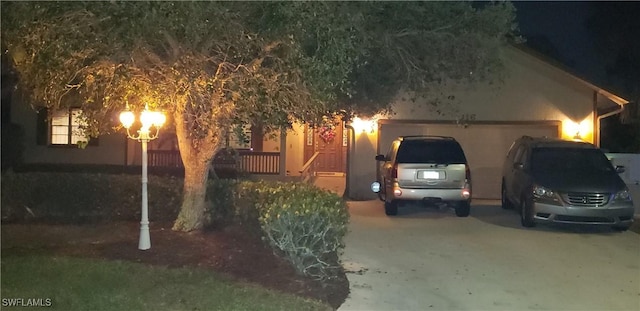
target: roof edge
525 50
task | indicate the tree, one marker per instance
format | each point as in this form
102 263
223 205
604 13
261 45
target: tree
217 65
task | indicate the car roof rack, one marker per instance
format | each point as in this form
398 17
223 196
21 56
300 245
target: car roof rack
427 137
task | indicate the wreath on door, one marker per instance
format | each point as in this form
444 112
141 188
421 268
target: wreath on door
327 132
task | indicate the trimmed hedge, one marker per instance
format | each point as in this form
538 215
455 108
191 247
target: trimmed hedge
86 198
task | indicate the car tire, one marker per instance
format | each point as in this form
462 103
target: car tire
526 213
506 204
463 209
391 208
382 195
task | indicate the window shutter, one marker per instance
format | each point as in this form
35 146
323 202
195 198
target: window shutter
42 126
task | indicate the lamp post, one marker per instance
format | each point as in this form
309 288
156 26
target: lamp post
148 119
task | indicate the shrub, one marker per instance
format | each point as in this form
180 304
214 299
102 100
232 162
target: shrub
84 197
12 147
220 208
306 225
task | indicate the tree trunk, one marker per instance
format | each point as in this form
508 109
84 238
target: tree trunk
196 157
192 212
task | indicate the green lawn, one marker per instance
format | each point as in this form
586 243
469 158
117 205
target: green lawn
85 284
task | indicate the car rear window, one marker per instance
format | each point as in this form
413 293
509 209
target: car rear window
425 151
569 159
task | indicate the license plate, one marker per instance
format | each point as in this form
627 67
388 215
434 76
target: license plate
430 175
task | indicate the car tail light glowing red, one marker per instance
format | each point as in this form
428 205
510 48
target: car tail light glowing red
394 171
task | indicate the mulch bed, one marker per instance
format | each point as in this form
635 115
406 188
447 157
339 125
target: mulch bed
232 251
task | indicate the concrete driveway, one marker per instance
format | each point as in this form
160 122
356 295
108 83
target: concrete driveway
429 259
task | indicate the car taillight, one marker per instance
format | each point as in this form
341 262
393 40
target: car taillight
466 191
394 171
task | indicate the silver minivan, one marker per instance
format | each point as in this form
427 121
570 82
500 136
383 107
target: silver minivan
424 168
556 181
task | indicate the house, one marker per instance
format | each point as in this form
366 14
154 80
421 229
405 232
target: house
534 98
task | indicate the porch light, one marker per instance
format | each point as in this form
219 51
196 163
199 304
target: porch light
149 119
363 125
576 130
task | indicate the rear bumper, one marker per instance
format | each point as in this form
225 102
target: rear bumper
429 194
612 214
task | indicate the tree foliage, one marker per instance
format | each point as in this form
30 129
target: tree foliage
417 46
216 65
274 55
194 58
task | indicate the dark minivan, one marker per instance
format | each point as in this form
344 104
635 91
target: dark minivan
559 181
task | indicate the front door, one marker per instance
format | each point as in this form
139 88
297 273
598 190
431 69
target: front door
330 143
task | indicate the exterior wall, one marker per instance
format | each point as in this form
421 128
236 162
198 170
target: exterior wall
271 144
631 175
134 148
531 90
362 169
110 149
294 148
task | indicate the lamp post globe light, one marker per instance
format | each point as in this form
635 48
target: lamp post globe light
148 119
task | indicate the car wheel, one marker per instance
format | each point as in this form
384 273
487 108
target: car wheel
463 209
506 204
391 208
526 213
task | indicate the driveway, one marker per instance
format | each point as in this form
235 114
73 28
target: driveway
429 259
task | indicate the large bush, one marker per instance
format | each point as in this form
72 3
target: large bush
304 224
308 225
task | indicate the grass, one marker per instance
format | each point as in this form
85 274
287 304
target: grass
85 284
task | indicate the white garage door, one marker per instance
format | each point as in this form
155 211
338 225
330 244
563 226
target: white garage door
485 146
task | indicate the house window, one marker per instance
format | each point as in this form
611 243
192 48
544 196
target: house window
65 127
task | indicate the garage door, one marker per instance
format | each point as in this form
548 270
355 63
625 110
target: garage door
485 146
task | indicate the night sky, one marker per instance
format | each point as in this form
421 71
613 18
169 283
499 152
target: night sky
564 25
559 29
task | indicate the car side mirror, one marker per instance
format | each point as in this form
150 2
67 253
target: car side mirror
620 169
380 157
518 165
